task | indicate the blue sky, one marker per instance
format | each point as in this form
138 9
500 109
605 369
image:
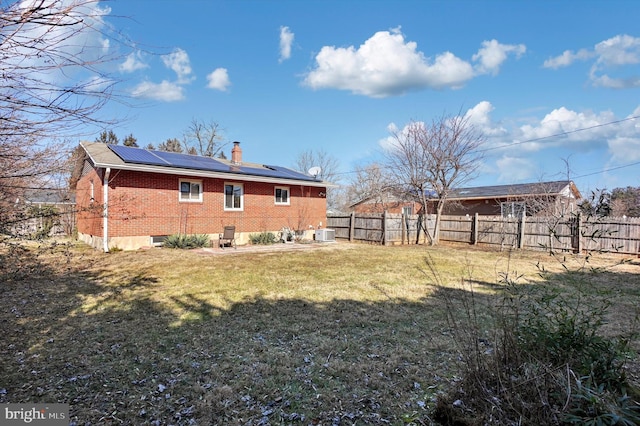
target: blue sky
283 77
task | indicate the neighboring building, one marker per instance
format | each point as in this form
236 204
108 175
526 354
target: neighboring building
47 212
131 198
388 202
557 198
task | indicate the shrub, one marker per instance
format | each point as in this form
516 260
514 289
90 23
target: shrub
183 241
264 238
544 362
47 217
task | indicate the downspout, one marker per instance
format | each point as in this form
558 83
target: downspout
105 215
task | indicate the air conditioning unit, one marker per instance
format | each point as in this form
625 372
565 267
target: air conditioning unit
325 235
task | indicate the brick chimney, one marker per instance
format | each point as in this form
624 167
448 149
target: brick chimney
236 153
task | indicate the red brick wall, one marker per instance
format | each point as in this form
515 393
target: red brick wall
143 204
390 207
89 216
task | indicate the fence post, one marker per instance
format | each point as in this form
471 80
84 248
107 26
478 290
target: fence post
352 225
384 228
521 234
578 231
476 226
403 227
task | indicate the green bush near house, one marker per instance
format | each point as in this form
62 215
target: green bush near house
263 238
184 241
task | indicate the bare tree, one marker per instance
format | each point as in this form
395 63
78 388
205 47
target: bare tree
53 84
329 167
52 75
371 183
427 161
203 138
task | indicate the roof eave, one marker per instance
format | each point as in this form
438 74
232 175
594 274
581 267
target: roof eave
208 174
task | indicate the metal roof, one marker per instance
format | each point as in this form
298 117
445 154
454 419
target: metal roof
129 158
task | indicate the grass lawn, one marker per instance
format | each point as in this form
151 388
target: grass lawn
340 334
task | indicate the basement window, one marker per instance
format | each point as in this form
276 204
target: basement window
282 195
158 240
190 190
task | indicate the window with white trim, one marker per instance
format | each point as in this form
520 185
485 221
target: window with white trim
190 190
233 196
513 209
282 195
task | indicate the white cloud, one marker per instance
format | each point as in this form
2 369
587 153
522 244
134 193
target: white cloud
519 153
97 84
68 42
166 91
493 54
617 54
567 58
569 126
286 40
480 116
624 146
387 65
218 79
178 61
625 149
619 50
133 63
515 169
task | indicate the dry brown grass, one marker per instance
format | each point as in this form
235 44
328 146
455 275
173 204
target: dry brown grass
338 334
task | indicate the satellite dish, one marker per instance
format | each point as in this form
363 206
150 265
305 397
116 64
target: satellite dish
315 171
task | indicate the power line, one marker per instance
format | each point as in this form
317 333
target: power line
555 136
561 134
607 170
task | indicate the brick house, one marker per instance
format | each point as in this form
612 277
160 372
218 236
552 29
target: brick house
556 197
389 202
539 198
131 198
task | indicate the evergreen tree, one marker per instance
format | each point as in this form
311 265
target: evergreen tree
130 141
108 137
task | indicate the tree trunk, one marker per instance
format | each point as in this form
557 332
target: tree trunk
436 230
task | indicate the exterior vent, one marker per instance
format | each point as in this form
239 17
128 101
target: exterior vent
326 235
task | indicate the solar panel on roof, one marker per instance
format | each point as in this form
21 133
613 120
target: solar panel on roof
292 173
137 155
275 171
194 162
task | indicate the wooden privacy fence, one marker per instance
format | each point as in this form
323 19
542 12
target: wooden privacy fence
384 228
577 234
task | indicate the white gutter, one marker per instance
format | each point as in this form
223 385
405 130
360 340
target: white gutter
105 217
